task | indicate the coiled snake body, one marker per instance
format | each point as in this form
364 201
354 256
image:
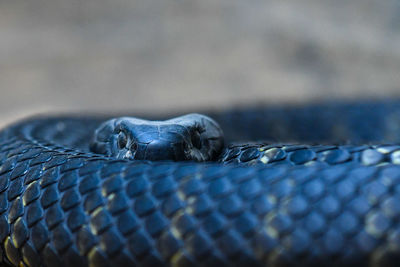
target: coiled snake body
261 204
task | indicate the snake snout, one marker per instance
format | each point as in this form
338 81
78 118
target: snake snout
190 137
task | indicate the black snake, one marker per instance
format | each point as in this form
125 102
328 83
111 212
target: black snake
322 190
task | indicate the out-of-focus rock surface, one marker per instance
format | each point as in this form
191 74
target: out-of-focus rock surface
58 55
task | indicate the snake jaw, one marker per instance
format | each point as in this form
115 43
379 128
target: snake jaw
191 137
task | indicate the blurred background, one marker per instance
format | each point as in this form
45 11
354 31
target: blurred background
171 55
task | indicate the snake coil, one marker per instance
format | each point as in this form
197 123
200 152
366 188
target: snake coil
267 204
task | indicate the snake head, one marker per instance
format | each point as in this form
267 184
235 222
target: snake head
191 137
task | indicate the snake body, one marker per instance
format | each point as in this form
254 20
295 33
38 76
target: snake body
260 204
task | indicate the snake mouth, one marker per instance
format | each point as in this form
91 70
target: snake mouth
192 137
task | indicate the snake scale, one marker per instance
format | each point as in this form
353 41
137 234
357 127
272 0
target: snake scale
322 190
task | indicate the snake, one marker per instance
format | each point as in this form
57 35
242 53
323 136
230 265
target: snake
311 185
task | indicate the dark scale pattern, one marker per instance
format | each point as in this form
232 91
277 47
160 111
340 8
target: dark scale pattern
278 154
273 219
303 205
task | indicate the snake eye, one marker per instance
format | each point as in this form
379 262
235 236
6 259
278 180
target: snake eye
122 140
196 140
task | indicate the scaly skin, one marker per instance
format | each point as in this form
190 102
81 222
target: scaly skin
63 206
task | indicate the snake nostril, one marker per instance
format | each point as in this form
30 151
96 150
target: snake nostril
196 140
134 146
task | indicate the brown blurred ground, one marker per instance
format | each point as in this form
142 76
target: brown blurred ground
58 55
